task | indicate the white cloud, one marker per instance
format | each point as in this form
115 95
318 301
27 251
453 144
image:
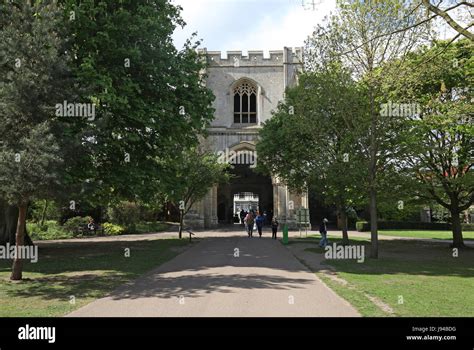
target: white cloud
257 24
292 30
251 24
202 16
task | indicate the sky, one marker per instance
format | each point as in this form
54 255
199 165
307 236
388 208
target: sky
226 25
242 25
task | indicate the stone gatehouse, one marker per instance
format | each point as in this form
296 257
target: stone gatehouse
247 88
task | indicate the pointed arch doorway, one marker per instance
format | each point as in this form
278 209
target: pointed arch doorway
247 189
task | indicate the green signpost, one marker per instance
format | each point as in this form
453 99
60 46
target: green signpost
302 216
285 234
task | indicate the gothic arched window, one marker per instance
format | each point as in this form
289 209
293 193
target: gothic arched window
245 103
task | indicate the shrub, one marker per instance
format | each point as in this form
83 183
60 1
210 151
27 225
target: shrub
125 214
467 227
112 229
148 214
389 211
364 226
53 211
50 230
76 224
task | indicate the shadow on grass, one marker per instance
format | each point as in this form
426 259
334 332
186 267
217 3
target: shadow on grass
62 287
87 269
410 257
90 269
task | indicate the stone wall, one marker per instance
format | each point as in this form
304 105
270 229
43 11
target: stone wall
271 75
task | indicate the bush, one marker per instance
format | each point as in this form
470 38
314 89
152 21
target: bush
125 214
50 230
467 227
148 214
364 226
112 229
389 211
53 211
76 224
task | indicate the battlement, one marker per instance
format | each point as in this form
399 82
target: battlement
254 58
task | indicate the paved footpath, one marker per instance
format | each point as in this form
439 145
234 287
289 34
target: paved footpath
209 280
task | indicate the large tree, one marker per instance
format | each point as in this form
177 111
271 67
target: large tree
457 14
150 98
438 143
33 70
355 35
192 175
146 99
312 141
444 11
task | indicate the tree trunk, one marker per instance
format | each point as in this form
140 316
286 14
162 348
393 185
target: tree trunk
374 251
43 214
8 224
180 224
8 221
345 235
458 241
17 267
374 238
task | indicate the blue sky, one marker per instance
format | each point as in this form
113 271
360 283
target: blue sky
226 25
250 24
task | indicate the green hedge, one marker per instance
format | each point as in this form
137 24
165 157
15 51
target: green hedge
50 230
364 226
74 224
112 229
467 227
125 214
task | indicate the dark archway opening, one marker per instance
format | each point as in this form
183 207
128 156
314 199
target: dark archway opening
245 180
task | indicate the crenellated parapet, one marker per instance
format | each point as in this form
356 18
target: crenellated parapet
253 58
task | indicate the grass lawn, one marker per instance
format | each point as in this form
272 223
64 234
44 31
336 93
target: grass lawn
468 235
79 270
410 278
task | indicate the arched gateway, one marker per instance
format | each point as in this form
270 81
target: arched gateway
247 89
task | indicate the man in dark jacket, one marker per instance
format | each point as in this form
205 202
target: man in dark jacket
274 228
324 233
242 217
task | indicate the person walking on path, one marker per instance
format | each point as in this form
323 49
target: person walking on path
249 221
274 228
323 230
242 217
259 221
